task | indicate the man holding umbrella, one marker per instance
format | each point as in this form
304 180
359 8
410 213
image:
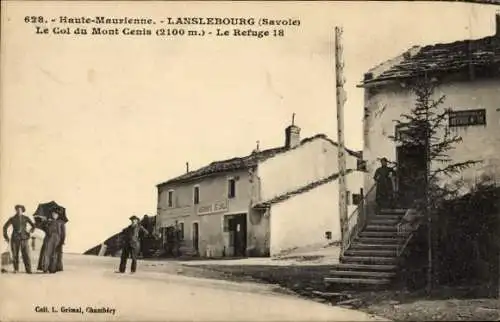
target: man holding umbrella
131 244
20 237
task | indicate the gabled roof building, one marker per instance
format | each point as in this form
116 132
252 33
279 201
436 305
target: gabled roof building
467 73
265 203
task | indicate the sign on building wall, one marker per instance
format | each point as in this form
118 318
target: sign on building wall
218 206
467 118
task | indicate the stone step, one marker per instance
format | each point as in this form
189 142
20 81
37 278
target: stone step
368 259
396 211
385 217
380 240
370 267
388 234
363 274
372 252
381 228
356 280
384 221
358 245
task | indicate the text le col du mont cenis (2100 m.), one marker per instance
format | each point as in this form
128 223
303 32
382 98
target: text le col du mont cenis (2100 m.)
143 26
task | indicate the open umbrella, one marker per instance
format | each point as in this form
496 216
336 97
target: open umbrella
46 209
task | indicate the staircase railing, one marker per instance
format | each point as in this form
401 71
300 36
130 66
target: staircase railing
407 227
357 219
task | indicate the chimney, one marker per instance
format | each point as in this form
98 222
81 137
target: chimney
292 135
187 167
497 19
257 149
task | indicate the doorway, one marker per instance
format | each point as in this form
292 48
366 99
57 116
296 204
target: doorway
237 226
411 171
196 237
168 240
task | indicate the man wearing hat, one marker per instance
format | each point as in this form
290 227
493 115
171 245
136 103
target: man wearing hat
19 238
131 244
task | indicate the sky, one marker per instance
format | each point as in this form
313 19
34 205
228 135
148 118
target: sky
94 123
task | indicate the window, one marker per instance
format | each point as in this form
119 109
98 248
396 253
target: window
231 188
196 195
467 118
356 199
410 131
360 165
399 131
170 198
348 197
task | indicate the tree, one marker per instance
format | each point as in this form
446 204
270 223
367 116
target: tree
426 126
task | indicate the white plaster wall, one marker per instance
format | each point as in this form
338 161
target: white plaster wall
304 219
479 142
355 182
296 168
212 189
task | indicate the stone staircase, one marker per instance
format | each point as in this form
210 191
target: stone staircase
372 257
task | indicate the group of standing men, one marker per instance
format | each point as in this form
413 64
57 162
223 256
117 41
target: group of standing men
50 260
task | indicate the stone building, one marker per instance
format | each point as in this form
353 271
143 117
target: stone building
262 204
467 72
464 234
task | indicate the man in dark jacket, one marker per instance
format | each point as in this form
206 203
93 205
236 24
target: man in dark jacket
131 244
385 179
20 237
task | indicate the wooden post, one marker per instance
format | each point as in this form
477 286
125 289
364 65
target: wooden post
341 98
428 209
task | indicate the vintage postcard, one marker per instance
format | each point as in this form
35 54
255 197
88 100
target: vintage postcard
250 161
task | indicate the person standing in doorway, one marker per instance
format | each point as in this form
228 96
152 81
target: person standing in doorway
384 179
131 244
20 237
178 238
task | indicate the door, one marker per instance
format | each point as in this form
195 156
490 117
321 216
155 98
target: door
237 229
169 240
240 235
410 174
196 236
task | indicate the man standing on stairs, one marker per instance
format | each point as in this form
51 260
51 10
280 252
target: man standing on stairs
385 180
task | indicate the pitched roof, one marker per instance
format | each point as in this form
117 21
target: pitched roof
455 56
300 190
245 162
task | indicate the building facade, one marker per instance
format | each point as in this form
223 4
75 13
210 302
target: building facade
467 73
261 204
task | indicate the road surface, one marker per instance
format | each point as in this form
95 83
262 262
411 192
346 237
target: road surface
89 289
